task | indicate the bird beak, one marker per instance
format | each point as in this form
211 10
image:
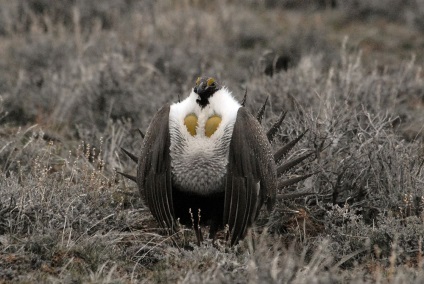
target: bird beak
200 89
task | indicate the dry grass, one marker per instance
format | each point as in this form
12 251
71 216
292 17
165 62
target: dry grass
78 79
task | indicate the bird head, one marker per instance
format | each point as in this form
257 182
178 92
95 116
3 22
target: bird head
205 87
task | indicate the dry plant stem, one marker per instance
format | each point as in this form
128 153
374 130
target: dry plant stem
90 73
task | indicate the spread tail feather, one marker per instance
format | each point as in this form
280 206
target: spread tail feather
286 148
133 178
131 155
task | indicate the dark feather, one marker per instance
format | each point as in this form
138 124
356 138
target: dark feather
141 133
292 163
247 205
274 128
250 165
154 170
133 178
131 155
228 200
286 148
239 226
291 196
261 111
291 181
233 208
243 102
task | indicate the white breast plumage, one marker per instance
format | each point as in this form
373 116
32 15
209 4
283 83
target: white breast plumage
199 161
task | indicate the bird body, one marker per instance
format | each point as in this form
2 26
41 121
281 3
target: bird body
207 161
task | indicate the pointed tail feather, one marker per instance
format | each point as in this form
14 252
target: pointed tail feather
284 183
274 128
141 133
243 102
291 196
133 178
286 148
131 155
290 164
261 111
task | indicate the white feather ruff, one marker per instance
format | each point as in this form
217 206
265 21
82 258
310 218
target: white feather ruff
199 162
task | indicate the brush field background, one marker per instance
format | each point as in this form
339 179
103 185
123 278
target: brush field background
78 78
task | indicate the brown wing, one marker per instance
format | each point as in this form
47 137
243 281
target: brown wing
251 176
154 170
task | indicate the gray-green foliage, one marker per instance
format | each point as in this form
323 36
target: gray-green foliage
77 79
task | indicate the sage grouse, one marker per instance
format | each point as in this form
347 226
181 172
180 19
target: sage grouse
207 161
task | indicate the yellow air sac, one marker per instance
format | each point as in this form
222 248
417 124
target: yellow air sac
212 125
190 121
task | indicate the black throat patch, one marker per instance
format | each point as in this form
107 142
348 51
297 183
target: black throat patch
205 88
203 100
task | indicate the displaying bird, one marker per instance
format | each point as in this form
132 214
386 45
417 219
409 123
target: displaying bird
207 161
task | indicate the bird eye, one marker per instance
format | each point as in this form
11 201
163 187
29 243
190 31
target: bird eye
198 81
210 82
